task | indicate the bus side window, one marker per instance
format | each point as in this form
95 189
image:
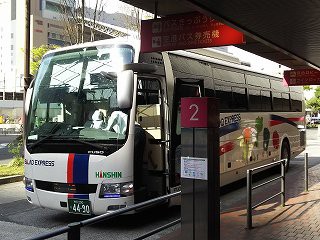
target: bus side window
239 98
254 100
224 93
266 100
277 101
285 102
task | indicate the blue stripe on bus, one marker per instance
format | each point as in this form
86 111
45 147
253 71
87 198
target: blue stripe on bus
229 128
81 168
80 196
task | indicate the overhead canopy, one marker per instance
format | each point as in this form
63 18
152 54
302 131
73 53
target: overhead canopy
286 32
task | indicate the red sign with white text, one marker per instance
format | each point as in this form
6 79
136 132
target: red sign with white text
194 112
186 31
301 77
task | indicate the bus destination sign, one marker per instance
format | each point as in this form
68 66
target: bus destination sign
301 77
186 31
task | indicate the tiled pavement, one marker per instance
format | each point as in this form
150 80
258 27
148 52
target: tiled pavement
299 219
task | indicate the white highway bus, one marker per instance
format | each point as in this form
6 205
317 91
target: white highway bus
103 122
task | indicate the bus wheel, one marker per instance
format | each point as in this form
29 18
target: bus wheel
285 153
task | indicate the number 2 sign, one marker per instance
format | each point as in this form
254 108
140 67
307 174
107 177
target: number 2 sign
194 112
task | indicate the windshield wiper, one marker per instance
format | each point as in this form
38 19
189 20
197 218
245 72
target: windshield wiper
61 137
32 145
97 146
109 75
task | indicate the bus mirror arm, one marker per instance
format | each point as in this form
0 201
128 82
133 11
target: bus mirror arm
125 89
141 67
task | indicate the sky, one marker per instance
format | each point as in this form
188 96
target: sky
257 62
113 6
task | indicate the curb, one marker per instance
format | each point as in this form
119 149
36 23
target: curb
11 179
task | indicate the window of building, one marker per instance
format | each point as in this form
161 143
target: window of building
39 22
18 96
51 6
13 9
9 96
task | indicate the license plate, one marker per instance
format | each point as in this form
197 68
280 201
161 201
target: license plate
79 206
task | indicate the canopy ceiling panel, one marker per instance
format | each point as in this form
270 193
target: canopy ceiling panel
287 32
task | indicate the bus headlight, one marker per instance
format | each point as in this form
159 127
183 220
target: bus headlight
28 184
116 190
127 189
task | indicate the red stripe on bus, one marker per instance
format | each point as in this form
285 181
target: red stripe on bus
70 195
227 147
70 168
300 119
275 122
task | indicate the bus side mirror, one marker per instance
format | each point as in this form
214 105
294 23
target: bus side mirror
27 100
28 95
125 89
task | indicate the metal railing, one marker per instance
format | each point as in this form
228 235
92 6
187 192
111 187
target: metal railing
306 172
73 229
250 188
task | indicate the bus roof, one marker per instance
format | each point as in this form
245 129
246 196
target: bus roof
124 40
207 55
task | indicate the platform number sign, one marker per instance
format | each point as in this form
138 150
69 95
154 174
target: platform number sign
194 107
194 112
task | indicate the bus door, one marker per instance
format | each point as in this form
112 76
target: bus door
185 87
150 167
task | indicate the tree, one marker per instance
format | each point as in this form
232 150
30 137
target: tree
37 54
133 19
314 102
75 15
307 88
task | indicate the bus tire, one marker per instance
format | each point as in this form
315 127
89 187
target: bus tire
285 153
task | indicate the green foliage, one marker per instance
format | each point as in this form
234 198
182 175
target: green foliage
307 88
37 54
312 125
314 102
15 148
6 170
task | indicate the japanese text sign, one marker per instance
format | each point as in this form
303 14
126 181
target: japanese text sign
186 31
301 77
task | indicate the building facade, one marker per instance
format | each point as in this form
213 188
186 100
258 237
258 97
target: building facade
45 28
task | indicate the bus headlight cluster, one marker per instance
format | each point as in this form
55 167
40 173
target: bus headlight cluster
116 190
28 184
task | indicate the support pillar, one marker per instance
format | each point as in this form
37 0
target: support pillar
200 169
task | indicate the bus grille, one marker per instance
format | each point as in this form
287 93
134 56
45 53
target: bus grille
66 187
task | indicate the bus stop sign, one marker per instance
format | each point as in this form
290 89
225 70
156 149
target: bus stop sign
300 77
186 31
195 111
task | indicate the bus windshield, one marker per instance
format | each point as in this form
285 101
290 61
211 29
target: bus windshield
75 95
